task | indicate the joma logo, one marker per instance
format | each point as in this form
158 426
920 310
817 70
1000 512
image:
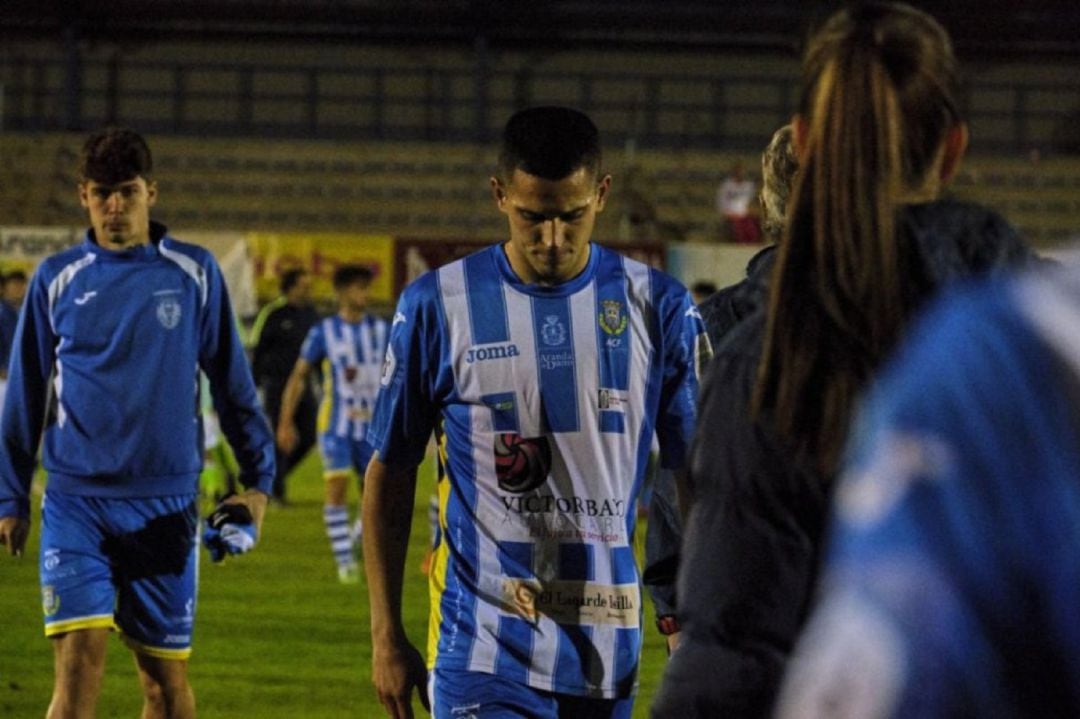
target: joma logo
479 354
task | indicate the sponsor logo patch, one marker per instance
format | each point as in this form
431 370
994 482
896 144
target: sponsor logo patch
491 352
553 332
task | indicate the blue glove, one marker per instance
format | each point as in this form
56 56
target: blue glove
230 529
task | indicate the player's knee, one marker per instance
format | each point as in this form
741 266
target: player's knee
163 681
162 695
153 696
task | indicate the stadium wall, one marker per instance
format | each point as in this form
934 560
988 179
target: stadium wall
438 190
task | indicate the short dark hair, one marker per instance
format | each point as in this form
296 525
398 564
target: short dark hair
351 274
18 275
289 278
549 142
115 154
703 287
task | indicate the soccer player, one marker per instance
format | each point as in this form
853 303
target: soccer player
544 364
951 584
351 344
106 360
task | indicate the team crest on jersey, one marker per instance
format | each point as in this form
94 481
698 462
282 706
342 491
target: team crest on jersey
613 319
50 602
553 331
168 311
388 367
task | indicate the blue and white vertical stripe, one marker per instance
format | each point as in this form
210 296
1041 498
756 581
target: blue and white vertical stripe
542 586
354 352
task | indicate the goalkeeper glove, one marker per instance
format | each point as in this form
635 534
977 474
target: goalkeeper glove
230 529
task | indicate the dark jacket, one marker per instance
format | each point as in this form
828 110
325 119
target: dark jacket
279 344
751 546
721 311
726 307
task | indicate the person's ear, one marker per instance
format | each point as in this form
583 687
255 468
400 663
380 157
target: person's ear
151 193
498 193
84 195
800 132
956 142
602 190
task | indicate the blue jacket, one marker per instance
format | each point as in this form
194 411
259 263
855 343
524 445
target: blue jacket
952 567
105 366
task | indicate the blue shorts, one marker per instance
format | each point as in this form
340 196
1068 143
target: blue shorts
121 563
339 454
457 694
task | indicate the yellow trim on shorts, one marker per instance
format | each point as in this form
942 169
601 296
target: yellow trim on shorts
158 652
335 473
96 621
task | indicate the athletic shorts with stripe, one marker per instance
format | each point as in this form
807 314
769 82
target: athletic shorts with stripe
129 564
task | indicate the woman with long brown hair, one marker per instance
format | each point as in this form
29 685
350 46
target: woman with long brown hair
868 240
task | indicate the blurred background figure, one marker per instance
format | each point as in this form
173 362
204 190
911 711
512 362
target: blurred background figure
350 346
701 290
277 336
867 242
952 585
9 317
14 289
722 310
734 202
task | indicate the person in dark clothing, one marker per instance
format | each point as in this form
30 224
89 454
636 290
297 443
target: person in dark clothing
723 309
279 332
720 311
866 245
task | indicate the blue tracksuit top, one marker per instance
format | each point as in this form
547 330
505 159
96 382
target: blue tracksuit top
105 361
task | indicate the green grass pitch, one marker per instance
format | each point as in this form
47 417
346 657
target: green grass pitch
276 635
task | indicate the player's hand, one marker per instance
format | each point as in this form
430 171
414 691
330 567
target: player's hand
233 527
13 534
287 437
255 501
395 671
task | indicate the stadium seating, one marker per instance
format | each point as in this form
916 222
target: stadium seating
441 190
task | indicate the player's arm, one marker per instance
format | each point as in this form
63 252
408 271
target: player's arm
397 667
32 357
222 358
662 539
287 435
686 351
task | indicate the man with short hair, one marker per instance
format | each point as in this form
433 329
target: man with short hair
106 360
14 289
9 317
545 365
277 335
350 345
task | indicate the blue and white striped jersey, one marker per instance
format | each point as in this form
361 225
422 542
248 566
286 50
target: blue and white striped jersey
352 353
106 359
952 579
545 402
